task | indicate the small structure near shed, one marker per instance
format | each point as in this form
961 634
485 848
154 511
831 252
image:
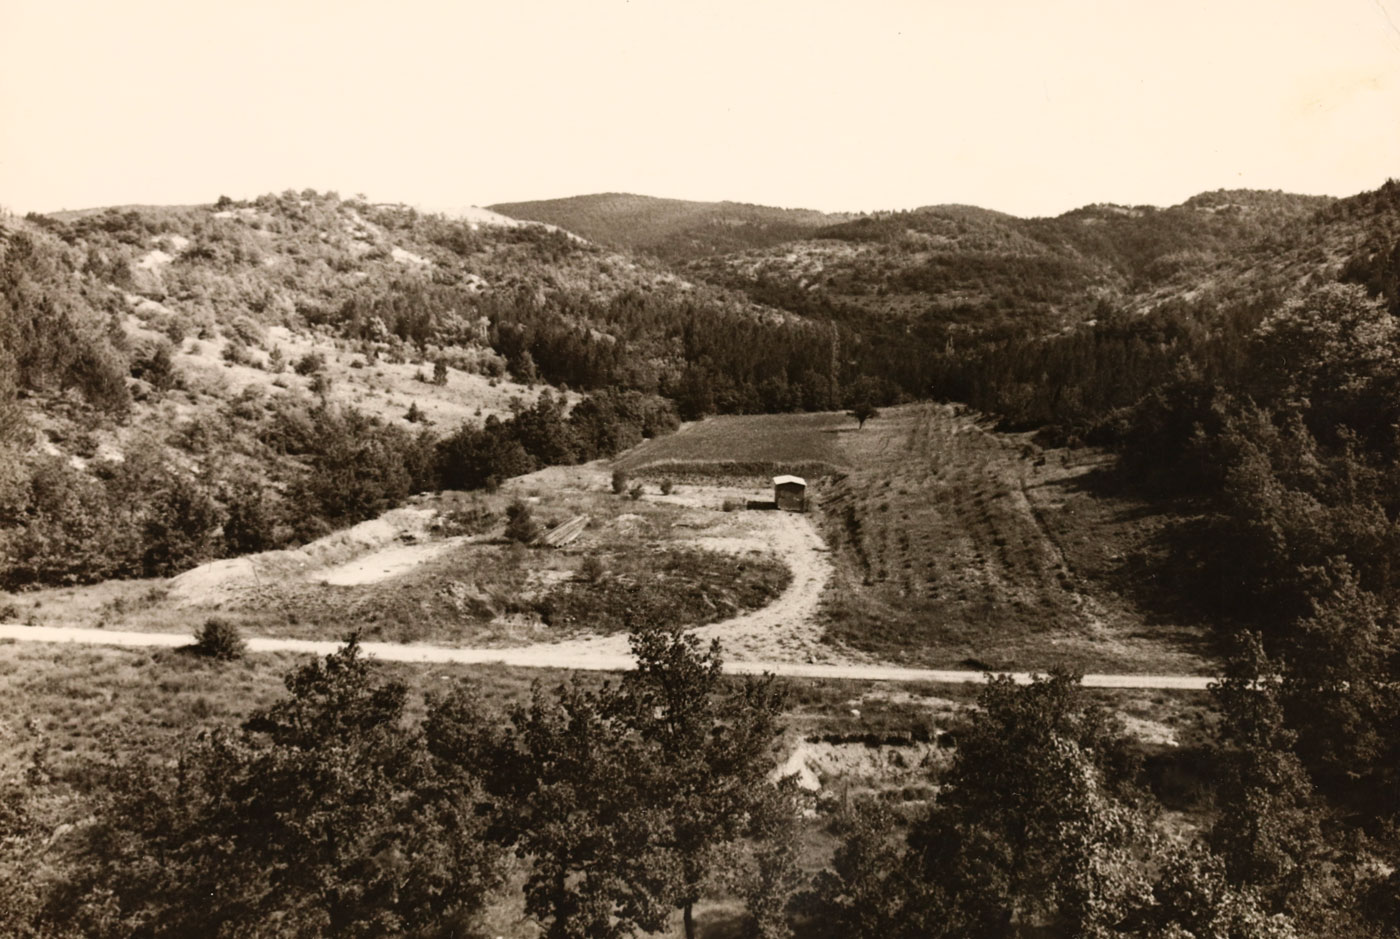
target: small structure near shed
790 493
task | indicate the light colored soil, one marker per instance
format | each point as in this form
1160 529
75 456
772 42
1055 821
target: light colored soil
337 554
581 655
385 563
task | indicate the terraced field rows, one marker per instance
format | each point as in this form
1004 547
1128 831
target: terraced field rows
949 538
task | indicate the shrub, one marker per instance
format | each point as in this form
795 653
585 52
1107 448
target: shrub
636 492
219 639
591 570
310 363
520 523
236 353
667 487
619 481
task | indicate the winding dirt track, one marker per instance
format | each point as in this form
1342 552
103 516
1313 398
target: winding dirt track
607 654
783 638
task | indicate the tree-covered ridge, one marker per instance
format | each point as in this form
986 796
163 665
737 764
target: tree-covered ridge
964 269
674 230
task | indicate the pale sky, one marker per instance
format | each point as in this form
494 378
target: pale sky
1027 106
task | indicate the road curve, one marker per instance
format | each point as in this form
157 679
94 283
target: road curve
567 657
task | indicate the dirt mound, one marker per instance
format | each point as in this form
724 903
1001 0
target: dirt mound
219 581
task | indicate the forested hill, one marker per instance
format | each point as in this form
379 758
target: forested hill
186 382
674 230
956 270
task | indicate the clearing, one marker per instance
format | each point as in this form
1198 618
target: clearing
939 544
746 447
957 546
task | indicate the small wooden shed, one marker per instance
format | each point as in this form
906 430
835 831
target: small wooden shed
790 493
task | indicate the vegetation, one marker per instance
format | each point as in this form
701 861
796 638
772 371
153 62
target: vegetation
1041 827
1235 356
763 445
219 639
672 229
330 812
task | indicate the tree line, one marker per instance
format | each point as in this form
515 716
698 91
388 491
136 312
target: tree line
310 467
345 809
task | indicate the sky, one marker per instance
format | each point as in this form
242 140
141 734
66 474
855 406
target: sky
1027 106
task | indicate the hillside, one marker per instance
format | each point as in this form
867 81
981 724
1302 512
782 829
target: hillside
969 269
674 230
178 383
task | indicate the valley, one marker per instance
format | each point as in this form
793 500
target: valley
1085 497
933 541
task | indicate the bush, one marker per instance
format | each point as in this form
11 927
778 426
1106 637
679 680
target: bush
520 523
636 492
219 639
619 481
591 570
310 363
667 487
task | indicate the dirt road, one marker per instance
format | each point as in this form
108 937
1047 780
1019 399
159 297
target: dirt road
595 655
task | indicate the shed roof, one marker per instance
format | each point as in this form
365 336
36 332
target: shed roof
781 480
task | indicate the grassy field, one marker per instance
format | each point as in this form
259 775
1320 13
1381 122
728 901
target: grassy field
484 590
747 446
960 547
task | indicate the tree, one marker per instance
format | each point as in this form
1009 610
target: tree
872 890
1267 833
628 796
250 520
1035 821
439 372
711 745
579 792
863 411
1193 899
181 527
323 816
219 639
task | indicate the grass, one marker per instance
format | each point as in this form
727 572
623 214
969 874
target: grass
959 547
747 446
680 587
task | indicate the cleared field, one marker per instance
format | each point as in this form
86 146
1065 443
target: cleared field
402 578
745 446
957 546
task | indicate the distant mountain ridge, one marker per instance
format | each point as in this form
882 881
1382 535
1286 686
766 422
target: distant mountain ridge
674 230
967 268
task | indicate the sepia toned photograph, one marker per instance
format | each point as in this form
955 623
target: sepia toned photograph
623 469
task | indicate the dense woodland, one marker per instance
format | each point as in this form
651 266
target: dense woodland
604 809
1238 353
